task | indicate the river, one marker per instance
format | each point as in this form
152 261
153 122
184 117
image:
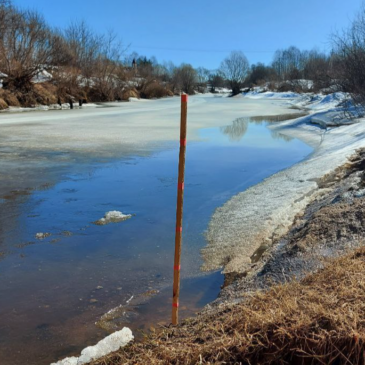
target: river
61 171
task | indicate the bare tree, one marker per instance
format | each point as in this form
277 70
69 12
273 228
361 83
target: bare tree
260 74
216 80
26 45
318 68
349 59
186 77
289 63
235 69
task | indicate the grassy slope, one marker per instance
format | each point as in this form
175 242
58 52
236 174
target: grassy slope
319 320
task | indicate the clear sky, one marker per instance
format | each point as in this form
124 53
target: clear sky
203 32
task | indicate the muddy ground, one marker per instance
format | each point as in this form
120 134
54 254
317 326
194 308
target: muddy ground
331 225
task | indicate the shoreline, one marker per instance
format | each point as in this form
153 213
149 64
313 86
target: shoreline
300 185
29 125
329 227
236 233
322 237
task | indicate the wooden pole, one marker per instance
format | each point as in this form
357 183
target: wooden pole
179 210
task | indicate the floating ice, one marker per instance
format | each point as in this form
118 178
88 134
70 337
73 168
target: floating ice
113 216
104 347
41 235
68 361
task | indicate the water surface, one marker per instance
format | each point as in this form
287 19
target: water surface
55 292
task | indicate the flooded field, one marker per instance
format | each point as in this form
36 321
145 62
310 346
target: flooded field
71 286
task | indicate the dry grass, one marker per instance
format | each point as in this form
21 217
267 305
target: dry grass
320 320
9 98
130 93
3 104
155 90
45 93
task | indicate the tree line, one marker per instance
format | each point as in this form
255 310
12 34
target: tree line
86 65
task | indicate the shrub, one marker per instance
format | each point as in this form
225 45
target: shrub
3 104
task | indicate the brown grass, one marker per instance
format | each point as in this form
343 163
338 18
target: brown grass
320 320
155 90
130 93
9 98
3 104
45 93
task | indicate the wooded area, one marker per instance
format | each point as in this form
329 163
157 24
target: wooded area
86 66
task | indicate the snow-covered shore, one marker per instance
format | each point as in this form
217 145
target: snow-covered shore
258 216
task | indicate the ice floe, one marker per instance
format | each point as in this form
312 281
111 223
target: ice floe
104 347
113 216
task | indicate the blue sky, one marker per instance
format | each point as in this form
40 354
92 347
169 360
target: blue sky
203 32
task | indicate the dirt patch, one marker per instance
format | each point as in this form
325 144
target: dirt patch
331 225
343 221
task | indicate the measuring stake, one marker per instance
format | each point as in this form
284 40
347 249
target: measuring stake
179 210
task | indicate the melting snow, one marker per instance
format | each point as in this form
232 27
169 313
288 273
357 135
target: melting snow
104 347
113 216
264 212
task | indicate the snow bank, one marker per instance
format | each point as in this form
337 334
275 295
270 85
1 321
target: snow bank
271 95
309 101
104 347
325 102
262 214
333 118
13 109
113 216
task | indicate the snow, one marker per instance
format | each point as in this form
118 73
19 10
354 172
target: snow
309 101
271 95
222 90
327 101
104 347
68 361
124 128
332 119
41 235
2 75
65 106
113 216
263 213
42 76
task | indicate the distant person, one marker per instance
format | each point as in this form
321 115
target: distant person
134 66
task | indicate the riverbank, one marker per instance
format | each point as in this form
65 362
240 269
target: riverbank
279 312
81 164
257 218
318 320
305 215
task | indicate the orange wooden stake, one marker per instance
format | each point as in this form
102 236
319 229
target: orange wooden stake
179 210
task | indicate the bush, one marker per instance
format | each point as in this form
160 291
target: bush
3 104
9 98
130 93
155 90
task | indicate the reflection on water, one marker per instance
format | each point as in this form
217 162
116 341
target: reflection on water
276 118
238 128
54 290
284 137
